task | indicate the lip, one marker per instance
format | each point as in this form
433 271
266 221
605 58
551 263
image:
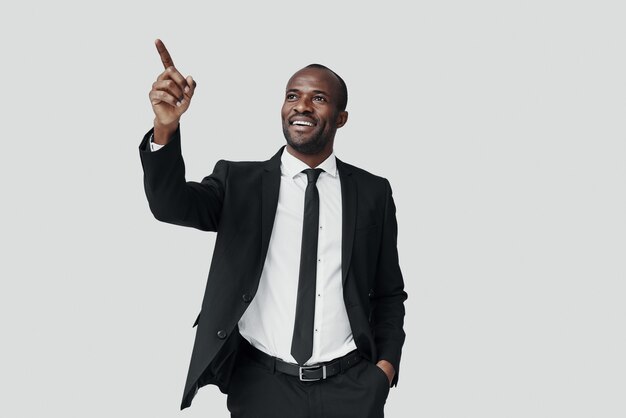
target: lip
302 119
301 128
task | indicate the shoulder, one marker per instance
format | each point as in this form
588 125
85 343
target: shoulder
241 165
363 177
234 166
245 173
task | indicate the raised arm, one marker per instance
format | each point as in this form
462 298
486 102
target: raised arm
172 199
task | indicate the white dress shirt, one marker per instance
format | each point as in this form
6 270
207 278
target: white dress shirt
269 320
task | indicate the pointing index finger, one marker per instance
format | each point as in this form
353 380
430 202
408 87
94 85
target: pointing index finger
166 59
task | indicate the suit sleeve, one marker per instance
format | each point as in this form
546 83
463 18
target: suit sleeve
389 295
174 200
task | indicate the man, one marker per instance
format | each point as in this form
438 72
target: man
304 306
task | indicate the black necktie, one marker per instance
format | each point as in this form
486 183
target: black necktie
302 342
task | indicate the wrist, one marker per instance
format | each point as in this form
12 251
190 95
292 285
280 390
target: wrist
388 368
163 132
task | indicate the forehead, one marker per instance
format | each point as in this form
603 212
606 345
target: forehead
309 79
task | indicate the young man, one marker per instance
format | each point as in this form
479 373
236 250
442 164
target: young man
304 306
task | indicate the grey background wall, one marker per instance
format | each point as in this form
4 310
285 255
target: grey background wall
499 124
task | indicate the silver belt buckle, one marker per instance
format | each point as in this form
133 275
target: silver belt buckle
306 379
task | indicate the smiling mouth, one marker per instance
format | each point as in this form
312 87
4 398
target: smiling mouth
302 123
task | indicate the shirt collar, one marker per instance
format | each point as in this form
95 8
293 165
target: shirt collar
291 166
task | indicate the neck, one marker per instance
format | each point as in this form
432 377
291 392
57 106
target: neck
312 160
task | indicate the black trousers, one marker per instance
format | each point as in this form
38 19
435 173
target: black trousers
258 392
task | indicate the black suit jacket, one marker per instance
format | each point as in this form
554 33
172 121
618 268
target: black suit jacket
239 200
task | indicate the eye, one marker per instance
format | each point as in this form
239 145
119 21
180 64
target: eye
291 97
319 99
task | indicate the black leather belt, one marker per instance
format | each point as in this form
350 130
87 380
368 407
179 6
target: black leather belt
311 373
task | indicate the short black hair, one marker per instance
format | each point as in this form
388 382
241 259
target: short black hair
343 93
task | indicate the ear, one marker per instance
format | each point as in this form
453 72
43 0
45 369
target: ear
342 118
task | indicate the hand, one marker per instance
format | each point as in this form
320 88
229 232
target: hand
170 96
388 368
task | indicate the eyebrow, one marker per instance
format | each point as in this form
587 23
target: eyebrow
314 91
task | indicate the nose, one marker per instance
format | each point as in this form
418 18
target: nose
303 105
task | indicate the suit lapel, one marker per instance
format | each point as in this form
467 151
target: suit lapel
269 200
348 221
270 188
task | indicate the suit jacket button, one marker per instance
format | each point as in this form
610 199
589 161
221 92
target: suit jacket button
246 297
221 334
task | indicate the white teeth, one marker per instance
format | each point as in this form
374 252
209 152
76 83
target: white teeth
301 122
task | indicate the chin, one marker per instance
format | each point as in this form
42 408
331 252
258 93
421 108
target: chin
310 147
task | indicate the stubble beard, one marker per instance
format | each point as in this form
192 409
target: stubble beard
314 145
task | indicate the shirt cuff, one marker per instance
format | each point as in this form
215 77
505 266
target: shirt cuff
153 146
